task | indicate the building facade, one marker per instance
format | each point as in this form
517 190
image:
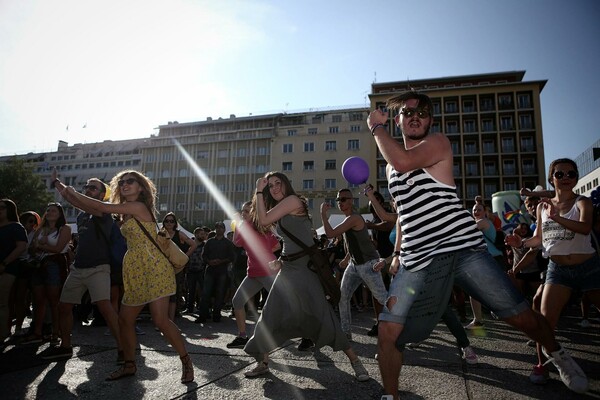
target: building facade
588 165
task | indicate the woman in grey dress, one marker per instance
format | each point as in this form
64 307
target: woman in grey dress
296 306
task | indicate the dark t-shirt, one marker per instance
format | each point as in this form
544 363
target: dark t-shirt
10 234
222 249
92 249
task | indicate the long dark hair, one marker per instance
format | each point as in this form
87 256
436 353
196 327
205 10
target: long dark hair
287 188
62 221
170 214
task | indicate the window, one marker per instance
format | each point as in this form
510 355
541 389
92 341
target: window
309 165
354 128
508 167
510 185
309 147
180 206
525 121
241 187
308 184
330 145
202 154
456 169
223 153
505 101
451 127
437 108
506 123
222 170
489 168
292 132
330 184
471 168
381 171
288 148
336 118
353 144
263 151
451 107
200 189
489 189
241 169
165 173
470 147
163 207
455 147
242 152
181 189
472 190
489 146
487 104
334 129
163 190
527 143
468 106
508 145
487 125
167 157
469 126
356 116
528 167
312 131
524 100
183 172
286 166
330 164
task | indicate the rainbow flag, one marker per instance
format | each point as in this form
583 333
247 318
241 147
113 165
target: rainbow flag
511 215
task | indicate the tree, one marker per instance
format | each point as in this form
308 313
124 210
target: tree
19 183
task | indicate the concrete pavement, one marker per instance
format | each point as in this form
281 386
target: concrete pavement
434 370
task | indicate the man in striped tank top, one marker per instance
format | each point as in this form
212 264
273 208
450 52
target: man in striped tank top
440 246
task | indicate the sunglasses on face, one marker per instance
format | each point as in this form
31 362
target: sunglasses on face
91 187
560 175
169 221
342 199
409 112
128 181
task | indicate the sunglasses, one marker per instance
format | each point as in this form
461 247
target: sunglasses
169 221
91 187
409 112
342 199
128 181
570 174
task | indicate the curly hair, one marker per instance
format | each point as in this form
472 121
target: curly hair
146 196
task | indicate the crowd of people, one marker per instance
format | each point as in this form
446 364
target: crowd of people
412 261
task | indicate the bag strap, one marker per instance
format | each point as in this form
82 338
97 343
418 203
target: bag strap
299 242
150 237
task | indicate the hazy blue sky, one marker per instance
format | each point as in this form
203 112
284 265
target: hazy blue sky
124 67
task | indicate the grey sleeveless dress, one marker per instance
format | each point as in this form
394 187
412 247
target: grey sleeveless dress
296 306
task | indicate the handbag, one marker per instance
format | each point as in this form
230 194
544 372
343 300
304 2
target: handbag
320 265
167 247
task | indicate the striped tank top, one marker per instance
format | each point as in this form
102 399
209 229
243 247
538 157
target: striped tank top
432 218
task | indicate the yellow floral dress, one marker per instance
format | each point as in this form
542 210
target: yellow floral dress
147 274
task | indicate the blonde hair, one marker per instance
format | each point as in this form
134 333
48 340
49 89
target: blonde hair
146 196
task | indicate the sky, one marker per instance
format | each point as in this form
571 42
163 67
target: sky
85 71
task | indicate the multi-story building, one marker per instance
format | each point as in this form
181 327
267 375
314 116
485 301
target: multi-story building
309 147
80 162
588 164
494 124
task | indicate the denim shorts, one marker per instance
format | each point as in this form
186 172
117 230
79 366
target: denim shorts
422 296
584 276
48 275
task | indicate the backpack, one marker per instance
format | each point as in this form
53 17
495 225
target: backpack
117 245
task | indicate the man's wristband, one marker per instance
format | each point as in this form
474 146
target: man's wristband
375 127
396 253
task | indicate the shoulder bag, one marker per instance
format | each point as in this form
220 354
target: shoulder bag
319 264
167 247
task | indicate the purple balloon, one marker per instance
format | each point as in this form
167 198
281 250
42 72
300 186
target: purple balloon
355 170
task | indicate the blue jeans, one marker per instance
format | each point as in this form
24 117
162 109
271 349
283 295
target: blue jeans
194 279
422 296
354 275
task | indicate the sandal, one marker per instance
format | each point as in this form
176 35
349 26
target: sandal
187 375
127 369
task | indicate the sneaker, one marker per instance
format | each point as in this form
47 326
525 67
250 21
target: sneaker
305 345
359 370
138 331
570 373
585 323
57 352
539 375
374 330
238 343
474 325
260 369
469 355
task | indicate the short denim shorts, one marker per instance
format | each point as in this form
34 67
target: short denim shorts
584 276
48 275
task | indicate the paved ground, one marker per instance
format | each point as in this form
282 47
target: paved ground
432 371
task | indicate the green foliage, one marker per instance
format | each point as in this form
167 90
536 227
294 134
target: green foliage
19 183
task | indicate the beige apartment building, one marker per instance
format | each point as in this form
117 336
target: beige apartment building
309 147
494 124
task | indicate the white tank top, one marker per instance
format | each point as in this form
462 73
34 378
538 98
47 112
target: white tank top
53 240
559 241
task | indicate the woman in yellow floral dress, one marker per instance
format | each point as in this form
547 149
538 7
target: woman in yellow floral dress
148 276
